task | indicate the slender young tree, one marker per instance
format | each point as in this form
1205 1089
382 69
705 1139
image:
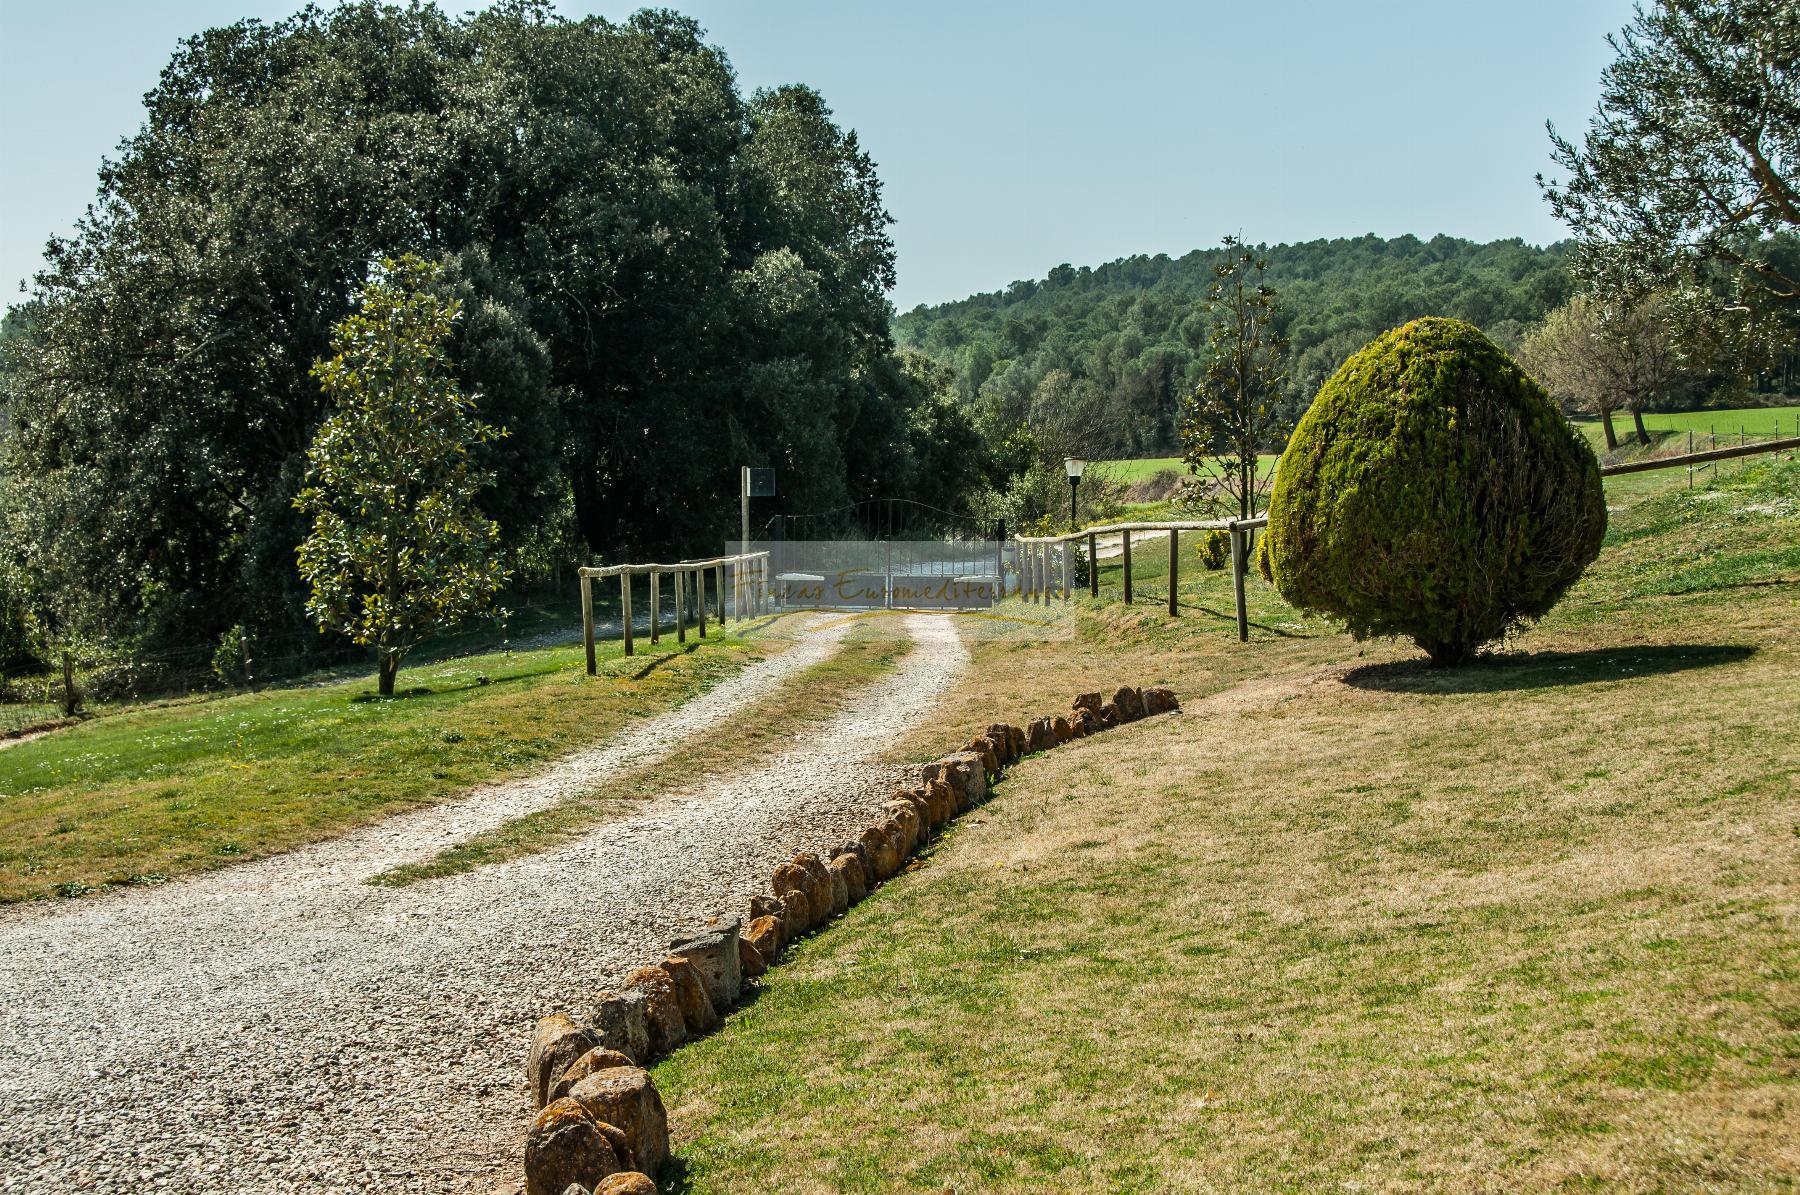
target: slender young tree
398 548
1236 411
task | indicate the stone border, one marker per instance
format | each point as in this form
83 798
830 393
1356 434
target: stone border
602 1129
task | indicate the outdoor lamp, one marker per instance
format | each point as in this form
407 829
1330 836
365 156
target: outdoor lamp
1073 465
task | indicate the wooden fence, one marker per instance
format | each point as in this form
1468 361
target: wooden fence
1040 558
748 574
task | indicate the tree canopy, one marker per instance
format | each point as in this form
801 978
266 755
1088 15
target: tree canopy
1690 171
661 279
1120 345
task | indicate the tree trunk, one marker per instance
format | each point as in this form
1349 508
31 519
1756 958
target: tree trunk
1637 418
71 698
1612 439
389 668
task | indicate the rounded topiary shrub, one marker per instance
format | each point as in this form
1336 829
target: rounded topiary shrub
1432 490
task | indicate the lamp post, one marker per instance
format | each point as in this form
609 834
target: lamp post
1073 465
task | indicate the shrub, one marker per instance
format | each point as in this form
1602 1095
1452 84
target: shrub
1214 549
1433 490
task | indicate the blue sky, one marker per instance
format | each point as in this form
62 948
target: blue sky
1010 136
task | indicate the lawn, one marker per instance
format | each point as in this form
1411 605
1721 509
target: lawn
161 791
1347 922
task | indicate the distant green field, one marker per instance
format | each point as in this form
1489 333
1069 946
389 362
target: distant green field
1131 471
1734 421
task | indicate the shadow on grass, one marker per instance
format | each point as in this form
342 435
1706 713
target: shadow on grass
1545 670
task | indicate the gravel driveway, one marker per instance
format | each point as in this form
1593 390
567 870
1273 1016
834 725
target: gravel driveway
282 1026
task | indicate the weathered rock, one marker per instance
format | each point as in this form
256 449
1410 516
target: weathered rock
620 1023
1089 721
854 848
565 1147
765 935
967 778
884 856
697 1010
840 891
1078 727
921 804
764 906
662 1009
847 869
1109 716
714 954
615 1137
1087 701
596 1059
1163 700
625 1096
556 1042
577 1189
751 963
1000 734
626 1182
989 751
1059 726
912 827
790 877
818 882
1042 736
1129 704
1019 740
941 799
796 915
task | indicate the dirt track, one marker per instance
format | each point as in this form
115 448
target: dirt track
283 1026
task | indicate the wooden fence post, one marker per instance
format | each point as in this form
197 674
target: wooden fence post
625 606
1125 548
587 619
1237 580
700 600
655 606
1068 551
680 609
719 594
1174 567
1093 546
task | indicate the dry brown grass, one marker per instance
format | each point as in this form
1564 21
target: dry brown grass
1344 923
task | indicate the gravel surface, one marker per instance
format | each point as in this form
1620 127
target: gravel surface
282 1026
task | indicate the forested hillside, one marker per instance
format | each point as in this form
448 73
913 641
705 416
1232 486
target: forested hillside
1097 359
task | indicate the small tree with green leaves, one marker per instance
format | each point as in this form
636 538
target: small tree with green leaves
1236 412
398 548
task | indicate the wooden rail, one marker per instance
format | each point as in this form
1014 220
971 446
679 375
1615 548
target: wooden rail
749 574
1695 458
1037 567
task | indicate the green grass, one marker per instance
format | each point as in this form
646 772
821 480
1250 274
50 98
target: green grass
743 742
1350 922
141 796
1757 421
1138 469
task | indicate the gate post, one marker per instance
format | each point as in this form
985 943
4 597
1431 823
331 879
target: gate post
625 606
1237 580
699 600
1174 557
587 617
680 609
1125 559
655 606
